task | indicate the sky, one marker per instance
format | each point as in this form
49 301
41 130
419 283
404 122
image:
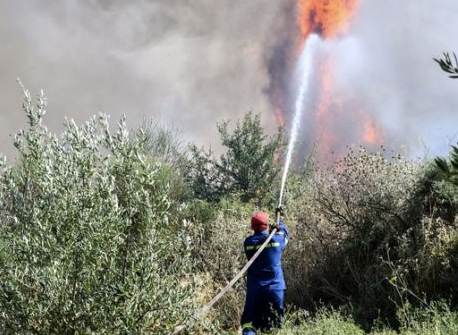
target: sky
193 63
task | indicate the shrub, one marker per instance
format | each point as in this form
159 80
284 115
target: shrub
348 219
427 251
89 244
161 142
218 247
247 169
373 232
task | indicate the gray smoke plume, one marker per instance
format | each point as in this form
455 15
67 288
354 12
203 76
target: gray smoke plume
192 63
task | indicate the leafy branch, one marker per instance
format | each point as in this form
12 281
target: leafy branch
448 64
450 169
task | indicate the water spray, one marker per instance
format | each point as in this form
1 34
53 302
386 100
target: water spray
304 69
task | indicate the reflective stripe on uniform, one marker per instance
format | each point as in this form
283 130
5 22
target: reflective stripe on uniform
256 247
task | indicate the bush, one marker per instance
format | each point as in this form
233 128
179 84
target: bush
348 218
89 244
100 234
218 246
247 169
372 232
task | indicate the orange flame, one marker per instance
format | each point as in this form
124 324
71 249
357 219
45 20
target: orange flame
372 131
340 118
279 117
329 18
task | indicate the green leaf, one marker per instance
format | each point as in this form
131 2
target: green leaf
442 164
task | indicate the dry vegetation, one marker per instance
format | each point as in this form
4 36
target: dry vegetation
121 232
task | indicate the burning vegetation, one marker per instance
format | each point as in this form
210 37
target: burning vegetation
327 18
335 116
117 231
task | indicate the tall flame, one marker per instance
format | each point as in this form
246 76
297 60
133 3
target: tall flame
328 18
339 118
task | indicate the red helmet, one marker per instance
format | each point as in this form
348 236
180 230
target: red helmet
259 221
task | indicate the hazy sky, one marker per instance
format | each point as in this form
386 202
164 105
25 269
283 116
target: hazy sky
192 63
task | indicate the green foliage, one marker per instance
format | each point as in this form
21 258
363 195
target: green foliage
432 319
119 232
449 168
89 242
247 169
324 322
447 64
248 166
203 177
217 243
424 265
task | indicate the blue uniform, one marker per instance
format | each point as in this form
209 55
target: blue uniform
265 282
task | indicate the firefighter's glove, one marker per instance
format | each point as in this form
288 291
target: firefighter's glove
273 226
280 211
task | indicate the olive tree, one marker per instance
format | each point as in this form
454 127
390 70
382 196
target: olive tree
88 244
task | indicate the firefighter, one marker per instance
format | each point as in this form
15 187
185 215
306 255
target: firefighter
264 307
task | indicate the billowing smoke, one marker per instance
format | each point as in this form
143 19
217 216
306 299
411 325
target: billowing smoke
192 63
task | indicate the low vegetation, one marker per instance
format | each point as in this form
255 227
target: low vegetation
116 231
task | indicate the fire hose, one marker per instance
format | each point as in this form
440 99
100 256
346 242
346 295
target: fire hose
199 313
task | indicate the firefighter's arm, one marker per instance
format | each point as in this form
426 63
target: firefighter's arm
284 232
281 227
248 253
